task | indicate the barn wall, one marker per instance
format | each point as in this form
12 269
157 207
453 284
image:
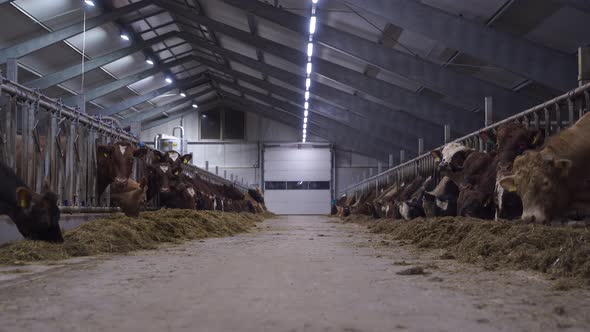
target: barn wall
240 158
350 168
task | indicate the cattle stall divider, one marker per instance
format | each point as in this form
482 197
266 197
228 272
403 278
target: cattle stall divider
57 144
551 116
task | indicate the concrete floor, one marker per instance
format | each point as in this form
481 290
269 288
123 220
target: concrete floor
292 274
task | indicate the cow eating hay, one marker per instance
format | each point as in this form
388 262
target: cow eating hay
119 234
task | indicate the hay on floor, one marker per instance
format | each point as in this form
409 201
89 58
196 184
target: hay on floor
559 251
120 234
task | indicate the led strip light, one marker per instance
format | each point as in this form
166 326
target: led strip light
309 67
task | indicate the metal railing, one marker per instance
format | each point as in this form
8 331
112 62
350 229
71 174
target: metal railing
57 143
551 116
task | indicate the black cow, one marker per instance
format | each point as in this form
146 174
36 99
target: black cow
36 216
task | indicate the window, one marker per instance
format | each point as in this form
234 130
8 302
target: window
297 185
319 185
233 127
210 124
275 185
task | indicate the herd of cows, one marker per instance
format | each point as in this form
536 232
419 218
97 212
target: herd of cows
527 176
165 183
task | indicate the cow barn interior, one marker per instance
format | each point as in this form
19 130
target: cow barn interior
294 165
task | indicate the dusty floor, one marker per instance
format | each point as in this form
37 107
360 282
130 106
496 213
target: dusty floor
292 274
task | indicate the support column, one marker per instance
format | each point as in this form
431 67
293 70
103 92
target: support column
489 107
402 156
420 146
447 133
584 65
12 70
379 167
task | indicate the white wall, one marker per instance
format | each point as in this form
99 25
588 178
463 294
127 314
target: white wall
236 157
350 168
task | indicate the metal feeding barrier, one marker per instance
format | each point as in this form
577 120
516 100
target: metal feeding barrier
57 146
551 117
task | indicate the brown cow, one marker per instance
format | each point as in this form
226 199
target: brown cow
131 198
115 163
556 178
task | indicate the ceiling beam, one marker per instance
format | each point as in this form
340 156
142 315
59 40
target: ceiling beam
76 70
206 107
404 123
366 131
463 88
360 146
425 107
36 43
128 103
147 114
330 125
107 88
381 129
518 55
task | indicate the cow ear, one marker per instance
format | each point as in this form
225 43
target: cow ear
140 153
24 197
159 156
508 183
563 165
104 150
186 158
177 171
437 155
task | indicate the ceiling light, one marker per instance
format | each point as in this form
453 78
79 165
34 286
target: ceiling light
149 61
305 126
169 80
89 3
304 131
308 68
305 120
306 113
310 49
312 23
195 105
314 1
182 94
307 83
306 105
306 95
124 36
303 140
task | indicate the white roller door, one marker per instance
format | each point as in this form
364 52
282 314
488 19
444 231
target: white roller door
298 180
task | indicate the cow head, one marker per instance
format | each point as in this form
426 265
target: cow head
115 164
164 175
132 198
172 157
474 203
540 180
513 139
38 215
452 156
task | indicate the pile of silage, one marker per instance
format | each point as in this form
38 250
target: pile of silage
120 234
560 251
